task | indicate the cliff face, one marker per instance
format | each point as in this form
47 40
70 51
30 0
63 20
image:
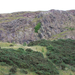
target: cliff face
19 27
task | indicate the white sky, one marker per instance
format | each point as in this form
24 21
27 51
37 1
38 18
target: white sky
8 6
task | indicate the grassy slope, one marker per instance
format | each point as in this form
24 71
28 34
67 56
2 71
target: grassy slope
5 69
63 35
5 44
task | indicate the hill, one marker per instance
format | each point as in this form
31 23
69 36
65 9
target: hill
23 27
37 43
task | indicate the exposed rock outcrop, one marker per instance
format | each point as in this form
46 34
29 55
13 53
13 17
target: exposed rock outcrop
19 27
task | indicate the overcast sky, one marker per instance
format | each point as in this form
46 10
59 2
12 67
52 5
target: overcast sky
9 6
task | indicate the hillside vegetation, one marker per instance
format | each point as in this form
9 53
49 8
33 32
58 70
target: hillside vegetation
61 52
59 59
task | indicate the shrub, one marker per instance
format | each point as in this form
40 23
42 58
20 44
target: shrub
3 64
63 65
73 69
71 28
13 69
20 50
23 71
24 44
29 50
37 27
11 45
50 48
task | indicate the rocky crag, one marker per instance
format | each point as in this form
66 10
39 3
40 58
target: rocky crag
19 27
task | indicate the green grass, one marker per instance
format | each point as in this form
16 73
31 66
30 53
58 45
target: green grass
68 72
5 44
60 35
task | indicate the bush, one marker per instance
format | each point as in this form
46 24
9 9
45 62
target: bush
23 71
24 44
11 45
50 48
20 50
37 27
73 69
3 64
63 65
71 28
13 69
29 50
